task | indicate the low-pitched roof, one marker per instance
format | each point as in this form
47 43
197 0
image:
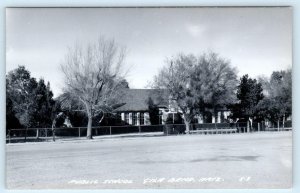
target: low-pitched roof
137 99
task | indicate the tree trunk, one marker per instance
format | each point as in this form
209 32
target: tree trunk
89 128
248 126
278 124
187 127
101 119
187 124
37 133
90 120
53 129
283 121
96 131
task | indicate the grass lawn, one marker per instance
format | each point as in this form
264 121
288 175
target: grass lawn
249 160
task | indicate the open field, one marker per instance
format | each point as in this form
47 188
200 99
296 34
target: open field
250 160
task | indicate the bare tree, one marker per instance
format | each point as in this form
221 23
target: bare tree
197 83
94 77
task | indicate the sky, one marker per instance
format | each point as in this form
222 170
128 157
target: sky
257 41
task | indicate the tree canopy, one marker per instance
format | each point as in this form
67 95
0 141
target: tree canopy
93 77
277 103
28 101
249 94
197 84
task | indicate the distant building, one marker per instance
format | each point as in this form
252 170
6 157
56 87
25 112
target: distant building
135 105
135 108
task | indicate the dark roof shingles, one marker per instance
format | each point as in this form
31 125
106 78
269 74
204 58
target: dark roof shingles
137 99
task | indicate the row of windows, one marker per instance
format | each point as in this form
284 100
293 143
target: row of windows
135 118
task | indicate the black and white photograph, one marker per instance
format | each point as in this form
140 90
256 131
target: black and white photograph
149 97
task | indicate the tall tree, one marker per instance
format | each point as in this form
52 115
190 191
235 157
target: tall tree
249 94
31 102
153 112
12 122
21 87
197 83
93 77
44 103
214 83
278 101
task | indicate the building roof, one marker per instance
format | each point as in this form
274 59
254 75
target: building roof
138 99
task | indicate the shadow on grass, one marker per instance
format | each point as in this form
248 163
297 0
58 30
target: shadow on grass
214 159
229 158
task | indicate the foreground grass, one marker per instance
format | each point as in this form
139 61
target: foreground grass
255 160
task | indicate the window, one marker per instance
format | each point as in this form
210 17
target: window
126 117
134 119
160 116
142 119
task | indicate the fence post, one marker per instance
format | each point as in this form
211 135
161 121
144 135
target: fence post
26 134
79 132
53 134
96 131
258 127
109 130
9 136
167 128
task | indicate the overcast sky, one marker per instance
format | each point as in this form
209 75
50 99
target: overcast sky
256 40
